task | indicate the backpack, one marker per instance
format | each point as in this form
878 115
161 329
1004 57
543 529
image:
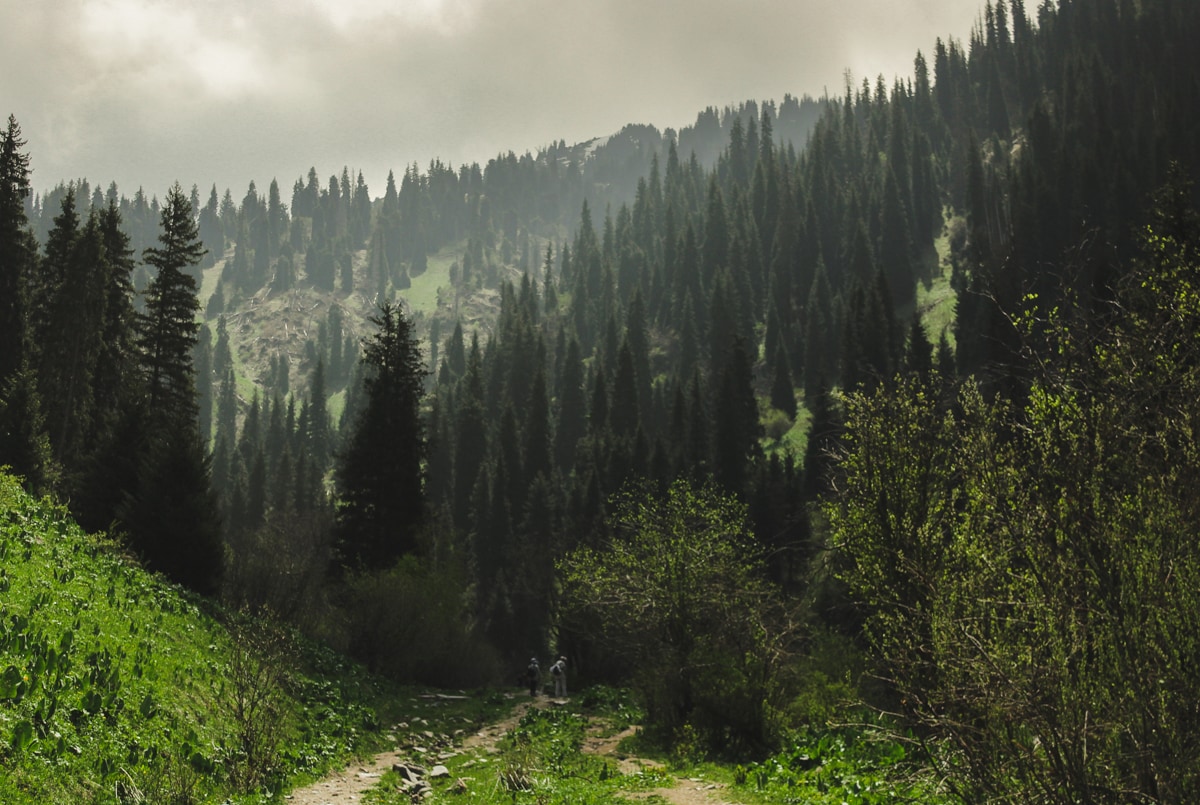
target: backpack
556 669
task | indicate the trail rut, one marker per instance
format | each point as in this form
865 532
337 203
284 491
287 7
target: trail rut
349 784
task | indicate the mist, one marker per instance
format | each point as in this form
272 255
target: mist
147 92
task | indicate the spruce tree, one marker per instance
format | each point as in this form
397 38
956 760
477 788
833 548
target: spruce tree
736 425
71 330
379 475
172 516
783 394
168 328
24 445
17 251
572 409
470 433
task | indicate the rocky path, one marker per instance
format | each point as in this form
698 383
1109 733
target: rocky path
348 785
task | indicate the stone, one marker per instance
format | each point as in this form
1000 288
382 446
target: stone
438 771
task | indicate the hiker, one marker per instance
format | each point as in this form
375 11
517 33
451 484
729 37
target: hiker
533 675
559 672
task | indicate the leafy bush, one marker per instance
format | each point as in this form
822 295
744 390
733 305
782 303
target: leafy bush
856 765
679 597
1031 569
409 623
776 424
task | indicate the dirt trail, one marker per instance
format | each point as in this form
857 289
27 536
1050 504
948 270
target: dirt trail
349 784
684 792
346 785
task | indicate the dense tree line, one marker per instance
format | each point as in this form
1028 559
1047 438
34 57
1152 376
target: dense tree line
658 304
99 400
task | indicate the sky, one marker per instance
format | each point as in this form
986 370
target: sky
149 92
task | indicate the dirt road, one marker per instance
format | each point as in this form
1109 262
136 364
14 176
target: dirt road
348 785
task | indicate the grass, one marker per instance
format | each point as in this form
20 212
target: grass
936 299
539 760
422 296
116 686
853 765
794 440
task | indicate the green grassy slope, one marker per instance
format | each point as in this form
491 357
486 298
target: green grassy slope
118 687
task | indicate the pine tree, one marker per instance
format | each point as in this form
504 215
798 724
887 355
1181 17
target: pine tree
736 425
918 351
379 475
168 328
572 409
783 394
110 468
318 437
17 250
624 408
895 243
172 514
70 331
470 433
537 452
23 442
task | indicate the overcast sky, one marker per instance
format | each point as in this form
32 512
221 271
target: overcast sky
146 92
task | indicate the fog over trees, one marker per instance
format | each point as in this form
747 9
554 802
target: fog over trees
904 373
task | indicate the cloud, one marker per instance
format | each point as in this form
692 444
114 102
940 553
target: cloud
149 91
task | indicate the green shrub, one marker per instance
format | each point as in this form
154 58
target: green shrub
410 623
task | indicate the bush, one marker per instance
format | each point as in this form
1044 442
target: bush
255 699
776 424
410 623
679 598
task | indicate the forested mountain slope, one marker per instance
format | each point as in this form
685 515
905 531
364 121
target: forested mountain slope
638 311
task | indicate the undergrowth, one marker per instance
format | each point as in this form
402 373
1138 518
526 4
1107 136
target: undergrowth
117 687
853 765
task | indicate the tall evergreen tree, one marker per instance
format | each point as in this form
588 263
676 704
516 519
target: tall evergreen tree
783 394
17 251
379 475
71 328
572 409
24 445
172 515
169 328
736 426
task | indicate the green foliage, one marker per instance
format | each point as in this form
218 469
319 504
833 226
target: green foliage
115 685
259 664
858 765
410 623
678 596
1030 571
617 705
379 474
541 759
776 424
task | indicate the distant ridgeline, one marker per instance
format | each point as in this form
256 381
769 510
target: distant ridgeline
653 305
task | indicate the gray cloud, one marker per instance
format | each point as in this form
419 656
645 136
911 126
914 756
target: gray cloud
144 92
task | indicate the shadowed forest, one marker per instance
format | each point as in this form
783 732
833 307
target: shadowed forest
882 403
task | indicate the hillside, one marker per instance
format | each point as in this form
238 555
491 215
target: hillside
116 686
919 395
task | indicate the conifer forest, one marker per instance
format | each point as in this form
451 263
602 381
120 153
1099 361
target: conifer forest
887 396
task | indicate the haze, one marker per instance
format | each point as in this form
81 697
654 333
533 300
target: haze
146 92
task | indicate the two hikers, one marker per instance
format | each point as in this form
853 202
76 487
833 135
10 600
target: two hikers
533 676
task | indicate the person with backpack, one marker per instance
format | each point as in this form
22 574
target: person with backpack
533 675
559 672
